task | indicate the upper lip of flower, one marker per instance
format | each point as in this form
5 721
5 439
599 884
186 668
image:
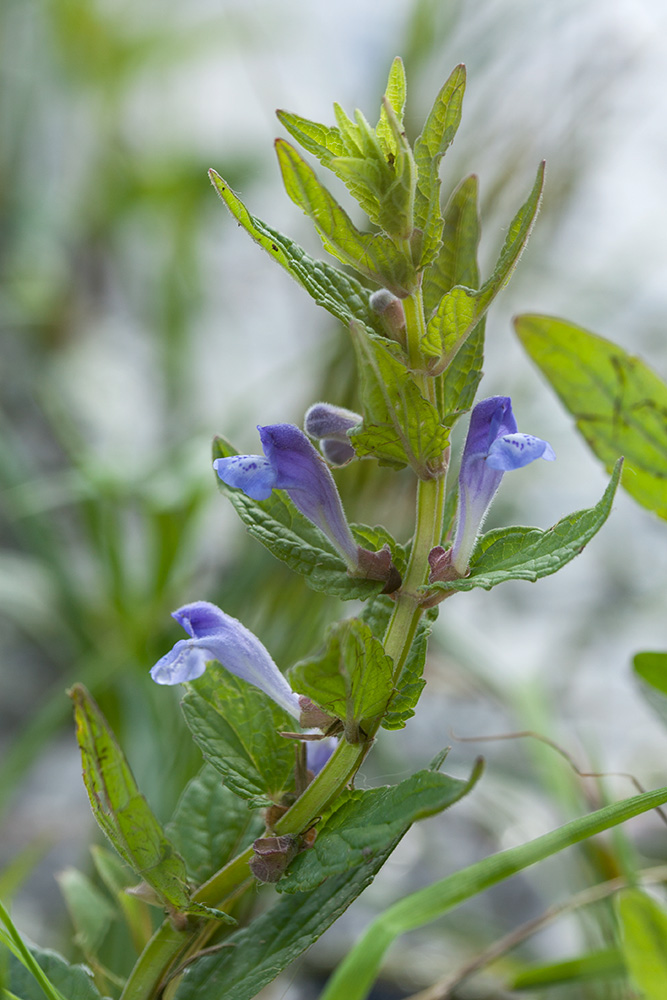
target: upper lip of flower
493 446
290 462
215 635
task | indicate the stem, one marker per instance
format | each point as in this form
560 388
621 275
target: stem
168 946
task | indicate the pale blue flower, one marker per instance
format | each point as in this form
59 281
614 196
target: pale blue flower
493 446
291 463
215 635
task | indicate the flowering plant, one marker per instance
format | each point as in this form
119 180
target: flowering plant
282 747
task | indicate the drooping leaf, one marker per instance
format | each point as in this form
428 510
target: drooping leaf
430 147
461 309
400 426
237 726
372 254
529 553
651 671
644 941
340 294
351 679
363 823
211 824
292 538
619 404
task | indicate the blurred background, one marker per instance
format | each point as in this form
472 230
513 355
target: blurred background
138 321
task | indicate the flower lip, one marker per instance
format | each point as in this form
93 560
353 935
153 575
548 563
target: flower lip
291 463
215 635
494 445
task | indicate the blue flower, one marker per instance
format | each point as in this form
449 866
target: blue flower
291 463
330 425
493 446
217 636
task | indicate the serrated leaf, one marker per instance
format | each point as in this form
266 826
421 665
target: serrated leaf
644 941
651 671
73 982
236 727
619 404
461 309
430 147
89 909
351 679
340 294
410 683
529 553
121 810
353 979
400 426
211 824
395 94
372 254
292 538
363 823
258 953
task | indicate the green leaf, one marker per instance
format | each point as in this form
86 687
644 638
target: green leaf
72 982
410 683
236 727
644 941
323 141
593 966
260 952
351 679
117 877
456 263
89 909
619 404
395 94
461 309
430 147
354 977
529 553
400 426
372 254
363 823
340 294
651 670
211 824
292 538
121 810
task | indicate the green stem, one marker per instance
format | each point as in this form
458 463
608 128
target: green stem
168 946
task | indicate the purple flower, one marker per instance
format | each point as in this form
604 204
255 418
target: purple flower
330 425
291 463
217 636
493 447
